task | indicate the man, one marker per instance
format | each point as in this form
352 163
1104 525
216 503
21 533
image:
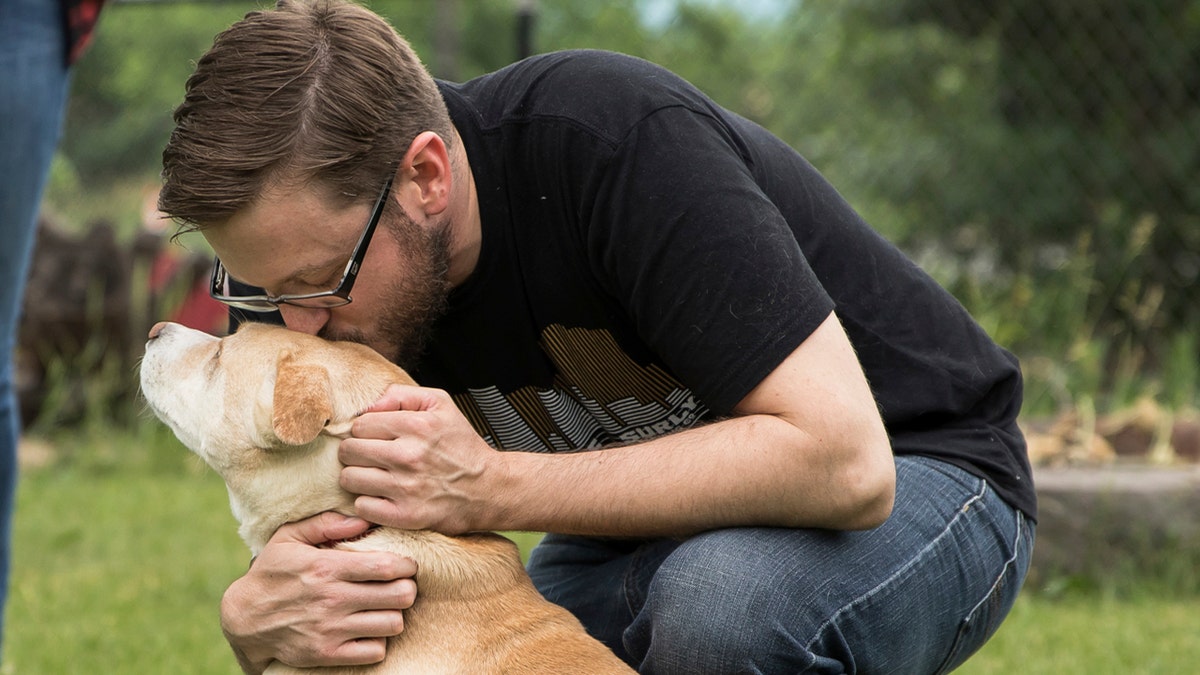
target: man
582 251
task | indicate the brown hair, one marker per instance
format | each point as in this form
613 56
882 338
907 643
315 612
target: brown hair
322 92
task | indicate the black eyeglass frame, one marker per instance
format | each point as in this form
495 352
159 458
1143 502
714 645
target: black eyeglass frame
337 297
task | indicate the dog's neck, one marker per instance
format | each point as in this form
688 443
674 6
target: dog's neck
288 488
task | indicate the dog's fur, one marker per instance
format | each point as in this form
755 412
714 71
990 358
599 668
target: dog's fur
266 408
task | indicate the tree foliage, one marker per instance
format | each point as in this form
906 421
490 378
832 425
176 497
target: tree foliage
1012 145
1094 109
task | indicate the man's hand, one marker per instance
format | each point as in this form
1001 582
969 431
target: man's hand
416 462
309 606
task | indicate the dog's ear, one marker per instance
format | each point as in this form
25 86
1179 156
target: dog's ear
303 403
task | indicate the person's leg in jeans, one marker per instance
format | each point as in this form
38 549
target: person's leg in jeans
917 595
33 90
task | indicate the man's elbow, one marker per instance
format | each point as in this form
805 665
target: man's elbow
872 492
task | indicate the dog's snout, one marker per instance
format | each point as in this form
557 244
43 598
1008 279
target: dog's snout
157 329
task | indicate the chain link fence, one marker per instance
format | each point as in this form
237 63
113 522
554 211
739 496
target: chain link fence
1093 144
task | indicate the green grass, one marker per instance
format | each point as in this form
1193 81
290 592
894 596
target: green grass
1094 634
124 544
119 566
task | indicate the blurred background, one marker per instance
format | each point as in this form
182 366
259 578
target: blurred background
1040 159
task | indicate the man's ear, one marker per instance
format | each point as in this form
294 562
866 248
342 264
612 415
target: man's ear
427 167
303 403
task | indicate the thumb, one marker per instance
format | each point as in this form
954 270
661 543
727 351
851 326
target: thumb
321 529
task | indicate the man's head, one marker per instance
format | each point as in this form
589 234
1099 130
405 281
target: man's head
291 126
318 92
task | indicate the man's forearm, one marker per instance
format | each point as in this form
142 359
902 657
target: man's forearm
751 470
806 447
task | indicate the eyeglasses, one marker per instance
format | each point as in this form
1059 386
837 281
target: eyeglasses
221 286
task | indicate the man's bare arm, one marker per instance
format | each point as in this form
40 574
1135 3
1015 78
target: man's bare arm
806 448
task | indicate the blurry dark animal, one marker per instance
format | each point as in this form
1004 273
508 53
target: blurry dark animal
89 300
76 316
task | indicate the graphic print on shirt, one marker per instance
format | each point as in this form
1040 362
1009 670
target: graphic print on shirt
600 395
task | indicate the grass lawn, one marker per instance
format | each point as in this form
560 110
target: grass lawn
124 544
1089 634
120 568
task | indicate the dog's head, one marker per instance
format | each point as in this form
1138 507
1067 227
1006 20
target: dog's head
265 408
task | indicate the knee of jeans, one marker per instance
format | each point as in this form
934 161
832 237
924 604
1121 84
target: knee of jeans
708 605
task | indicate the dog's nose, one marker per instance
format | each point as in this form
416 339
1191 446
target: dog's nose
156 329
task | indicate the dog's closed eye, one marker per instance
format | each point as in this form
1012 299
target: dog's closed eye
214 362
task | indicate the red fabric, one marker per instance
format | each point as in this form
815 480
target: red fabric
201 312
163 271
81 17
197 309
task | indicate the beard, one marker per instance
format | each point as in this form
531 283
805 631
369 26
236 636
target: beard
419 300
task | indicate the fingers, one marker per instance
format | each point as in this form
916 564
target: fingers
405 397
415 462
321 529
357 652
378 624
383 454
390 514
359 566
309 606
388 425
405 410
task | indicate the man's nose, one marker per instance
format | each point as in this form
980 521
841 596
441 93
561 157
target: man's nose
304 319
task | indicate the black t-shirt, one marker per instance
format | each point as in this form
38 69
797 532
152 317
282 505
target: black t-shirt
649 257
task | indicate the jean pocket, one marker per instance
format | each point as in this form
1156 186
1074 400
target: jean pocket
985 618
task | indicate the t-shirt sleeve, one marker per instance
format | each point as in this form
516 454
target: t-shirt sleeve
701 259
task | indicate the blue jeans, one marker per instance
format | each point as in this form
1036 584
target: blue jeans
918 594
33 92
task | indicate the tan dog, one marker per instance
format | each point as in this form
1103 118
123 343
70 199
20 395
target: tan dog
266 408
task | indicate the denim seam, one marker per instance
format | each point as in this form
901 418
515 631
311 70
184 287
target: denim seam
1016 547
912 562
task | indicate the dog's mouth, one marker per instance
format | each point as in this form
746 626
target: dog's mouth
160 413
